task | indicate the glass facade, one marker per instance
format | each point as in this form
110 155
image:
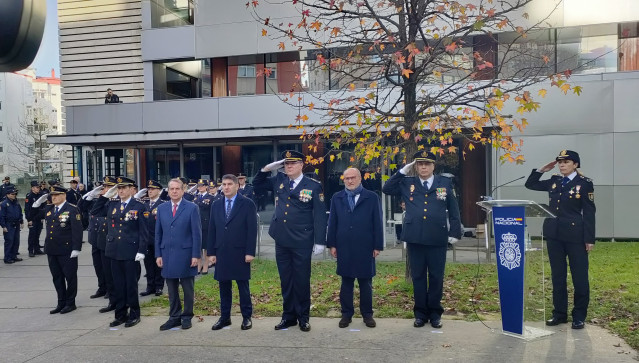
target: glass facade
170 13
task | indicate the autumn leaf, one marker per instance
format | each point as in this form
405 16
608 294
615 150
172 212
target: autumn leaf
451 47
406 72
281 45
542 93
311 106
577 90
361 100
264 32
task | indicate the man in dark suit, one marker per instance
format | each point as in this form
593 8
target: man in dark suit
178 247
570 235
85 204
62 245
355 237
126 236
430 206
34 225
204 200
245 190
154 279
231 245
299 230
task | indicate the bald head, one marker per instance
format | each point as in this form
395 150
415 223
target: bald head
352 178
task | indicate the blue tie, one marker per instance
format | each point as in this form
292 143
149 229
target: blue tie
426 184
57 209
291 184
228 208
565 181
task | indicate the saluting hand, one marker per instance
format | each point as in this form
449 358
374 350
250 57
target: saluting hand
407 168
547 167
40 200
273 166
111 192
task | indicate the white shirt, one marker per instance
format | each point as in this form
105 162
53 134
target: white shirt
572 175
429 180
60 206
178 204
152 201
297 180
126 201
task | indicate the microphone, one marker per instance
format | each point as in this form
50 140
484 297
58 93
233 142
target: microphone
490 197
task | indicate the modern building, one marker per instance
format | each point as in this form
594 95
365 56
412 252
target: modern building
193 103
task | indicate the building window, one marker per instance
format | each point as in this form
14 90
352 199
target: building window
587 49
246 71
170 13
31 168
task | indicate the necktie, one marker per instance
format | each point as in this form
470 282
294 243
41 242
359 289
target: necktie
291 184
122 206
174 209
228 208
565 181
57 209
351 201
426 184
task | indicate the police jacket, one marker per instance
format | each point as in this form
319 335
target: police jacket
126 227
29 199
150 216
299 220
63 229
428 212
572 204
10 213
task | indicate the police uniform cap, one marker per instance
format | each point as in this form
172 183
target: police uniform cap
192 182
569 155
52 182
241 175
212 184
108 181
7 178
154 184
56 189
123 181
424 155
203 182
35 183
11 190
72 181
98 184
183 180
292 155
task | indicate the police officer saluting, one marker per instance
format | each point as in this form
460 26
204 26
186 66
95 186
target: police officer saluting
62 244
204 200
430 206
11 222
299 230
154 279
126 245
35 225
571 234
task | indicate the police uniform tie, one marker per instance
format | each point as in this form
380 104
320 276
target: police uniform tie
174 209
57 209
565 181
122 206
228 208
291 184
426 184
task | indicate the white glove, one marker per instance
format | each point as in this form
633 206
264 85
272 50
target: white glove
40 200
139 257
87 196
274 165
404 170
452 240
75 253
192 189
95 192
317 249
140 194
112 192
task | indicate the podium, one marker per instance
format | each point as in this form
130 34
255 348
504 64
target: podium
511 247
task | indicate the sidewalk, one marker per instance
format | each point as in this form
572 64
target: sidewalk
28 333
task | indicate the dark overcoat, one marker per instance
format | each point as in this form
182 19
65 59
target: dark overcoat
126 229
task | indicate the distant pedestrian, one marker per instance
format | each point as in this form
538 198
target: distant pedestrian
11 222
111 97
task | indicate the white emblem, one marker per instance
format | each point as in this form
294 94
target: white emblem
509 252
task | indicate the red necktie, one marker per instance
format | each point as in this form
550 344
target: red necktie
174 209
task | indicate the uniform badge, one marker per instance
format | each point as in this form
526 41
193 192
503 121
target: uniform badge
412 188
306 195
554 186
154 211
114 211
321 197
441 193
411 199
591 196
146 214
78 217
48 213
282 186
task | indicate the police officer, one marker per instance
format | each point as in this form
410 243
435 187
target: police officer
570 234
430 206
126 245
11 222
34 225
62 244
299 230
245 189
101 240
85 204
154 279
6 184
73 195
204 200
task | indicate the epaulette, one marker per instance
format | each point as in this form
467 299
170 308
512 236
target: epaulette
73 205
585 178
114 199
557 175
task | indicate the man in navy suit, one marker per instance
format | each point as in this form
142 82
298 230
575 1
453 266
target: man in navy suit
355 237
299 230
154 280
231 246
125 246
178 248
430 206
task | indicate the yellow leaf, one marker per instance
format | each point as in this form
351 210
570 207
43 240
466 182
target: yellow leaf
406 72
311 106
362 100
264 32
332 157
542 92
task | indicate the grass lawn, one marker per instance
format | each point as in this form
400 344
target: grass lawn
469 291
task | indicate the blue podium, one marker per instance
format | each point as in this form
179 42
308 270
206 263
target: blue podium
511 244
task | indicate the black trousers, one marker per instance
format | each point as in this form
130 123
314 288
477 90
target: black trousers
427 265
125 279
365 296
11 242
294 267
64 271
108 277
226 295
34 236
99 269
154 279
175 306
578 259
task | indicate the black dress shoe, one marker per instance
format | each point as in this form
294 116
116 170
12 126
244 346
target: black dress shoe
305 327
419 323
107 308
170 324
39 253
147 292
284 324
97 294
556 321
578 324
106 296
370 322
67 309
436 323
116 322
56 310
131 322
8 262
186 324
17 259
221 323
17 253
344 322
158 292
31 254
246 324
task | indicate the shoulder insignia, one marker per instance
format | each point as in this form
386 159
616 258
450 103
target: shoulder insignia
591 196
585 178
78 217
321 197
26 200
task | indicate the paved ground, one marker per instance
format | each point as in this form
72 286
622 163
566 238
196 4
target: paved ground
28 332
